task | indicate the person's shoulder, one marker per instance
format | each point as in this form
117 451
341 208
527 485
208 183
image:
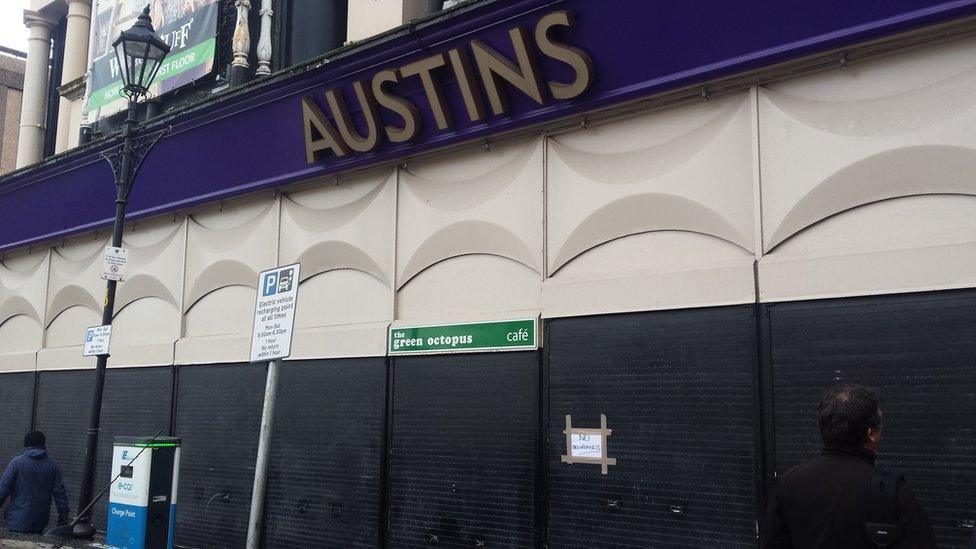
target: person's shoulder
798 470
16 461
905 491
784 480
811 468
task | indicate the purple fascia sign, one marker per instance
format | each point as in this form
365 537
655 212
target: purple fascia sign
489 68
480 74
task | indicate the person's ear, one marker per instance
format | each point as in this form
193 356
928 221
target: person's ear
874 435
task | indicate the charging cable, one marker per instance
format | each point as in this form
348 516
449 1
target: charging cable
106 489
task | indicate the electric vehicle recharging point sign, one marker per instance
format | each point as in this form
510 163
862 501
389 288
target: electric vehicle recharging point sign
274 313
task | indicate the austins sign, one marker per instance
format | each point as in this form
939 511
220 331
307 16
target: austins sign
341 136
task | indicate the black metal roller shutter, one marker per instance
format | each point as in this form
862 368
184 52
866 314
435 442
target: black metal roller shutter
134 399
919 351
326 454
465 430
136 402
218 416
677 390
16 406
63 405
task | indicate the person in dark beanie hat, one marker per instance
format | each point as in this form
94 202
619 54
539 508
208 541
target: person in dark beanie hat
831 501
30 481
34 439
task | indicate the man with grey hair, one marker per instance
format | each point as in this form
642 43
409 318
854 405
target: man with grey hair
838 500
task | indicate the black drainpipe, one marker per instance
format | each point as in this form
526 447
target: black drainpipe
53 83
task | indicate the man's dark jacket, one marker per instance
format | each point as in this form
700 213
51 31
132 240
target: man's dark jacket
823 504
30 481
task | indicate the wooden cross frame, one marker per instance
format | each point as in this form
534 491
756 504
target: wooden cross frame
603 433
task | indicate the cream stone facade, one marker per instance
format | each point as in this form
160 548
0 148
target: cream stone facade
848 181
371 17
12 66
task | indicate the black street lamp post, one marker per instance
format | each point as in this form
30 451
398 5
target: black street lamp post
140 53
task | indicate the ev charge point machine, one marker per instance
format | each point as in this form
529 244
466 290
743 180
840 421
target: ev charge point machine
142 500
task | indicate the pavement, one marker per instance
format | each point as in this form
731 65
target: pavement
11 540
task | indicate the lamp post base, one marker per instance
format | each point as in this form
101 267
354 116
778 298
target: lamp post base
83 530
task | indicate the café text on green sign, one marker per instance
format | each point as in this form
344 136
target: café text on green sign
508 335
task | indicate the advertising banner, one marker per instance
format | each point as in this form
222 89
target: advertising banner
188 26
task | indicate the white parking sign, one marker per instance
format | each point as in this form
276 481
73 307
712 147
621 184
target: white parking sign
274 313
97 340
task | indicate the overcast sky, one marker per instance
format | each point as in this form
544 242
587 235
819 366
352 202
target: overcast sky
13 33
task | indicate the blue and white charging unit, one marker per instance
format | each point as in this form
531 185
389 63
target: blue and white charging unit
142 500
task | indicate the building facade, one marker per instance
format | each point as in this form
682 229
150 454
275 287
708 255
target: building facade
708 216
12 65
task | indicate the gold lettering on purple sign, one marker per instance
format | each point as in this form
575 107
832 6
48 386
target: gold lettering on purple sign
495 72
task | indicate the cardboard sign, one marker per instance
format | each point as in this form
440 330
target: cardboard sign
588 445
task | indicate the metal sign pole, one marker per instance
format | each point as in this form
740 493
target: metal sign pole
264 452
274 322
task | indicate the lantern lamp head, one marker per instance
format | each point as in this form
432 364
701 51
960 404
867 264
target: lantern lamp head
140 53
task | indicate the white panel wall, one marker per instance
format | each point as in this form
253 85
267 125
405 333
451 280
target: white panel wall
641 219
74 301
846 182
227 245
147 320
868 177
23 288
469 234
342 232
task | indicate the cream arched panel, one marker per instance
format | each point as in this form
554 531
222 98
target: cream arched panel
144 331
596 282
652 211
147 305
227 245
903 172
19 341
74 301
862 171
218 327
23 285
914 243
342 232
469 233
337 315
64 338
471 287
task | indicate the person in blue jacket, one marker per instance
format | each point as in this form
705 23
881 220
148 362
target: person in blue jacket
30 481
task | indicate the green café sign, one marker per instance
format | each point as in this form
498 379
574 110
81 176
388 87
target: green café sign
507 335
